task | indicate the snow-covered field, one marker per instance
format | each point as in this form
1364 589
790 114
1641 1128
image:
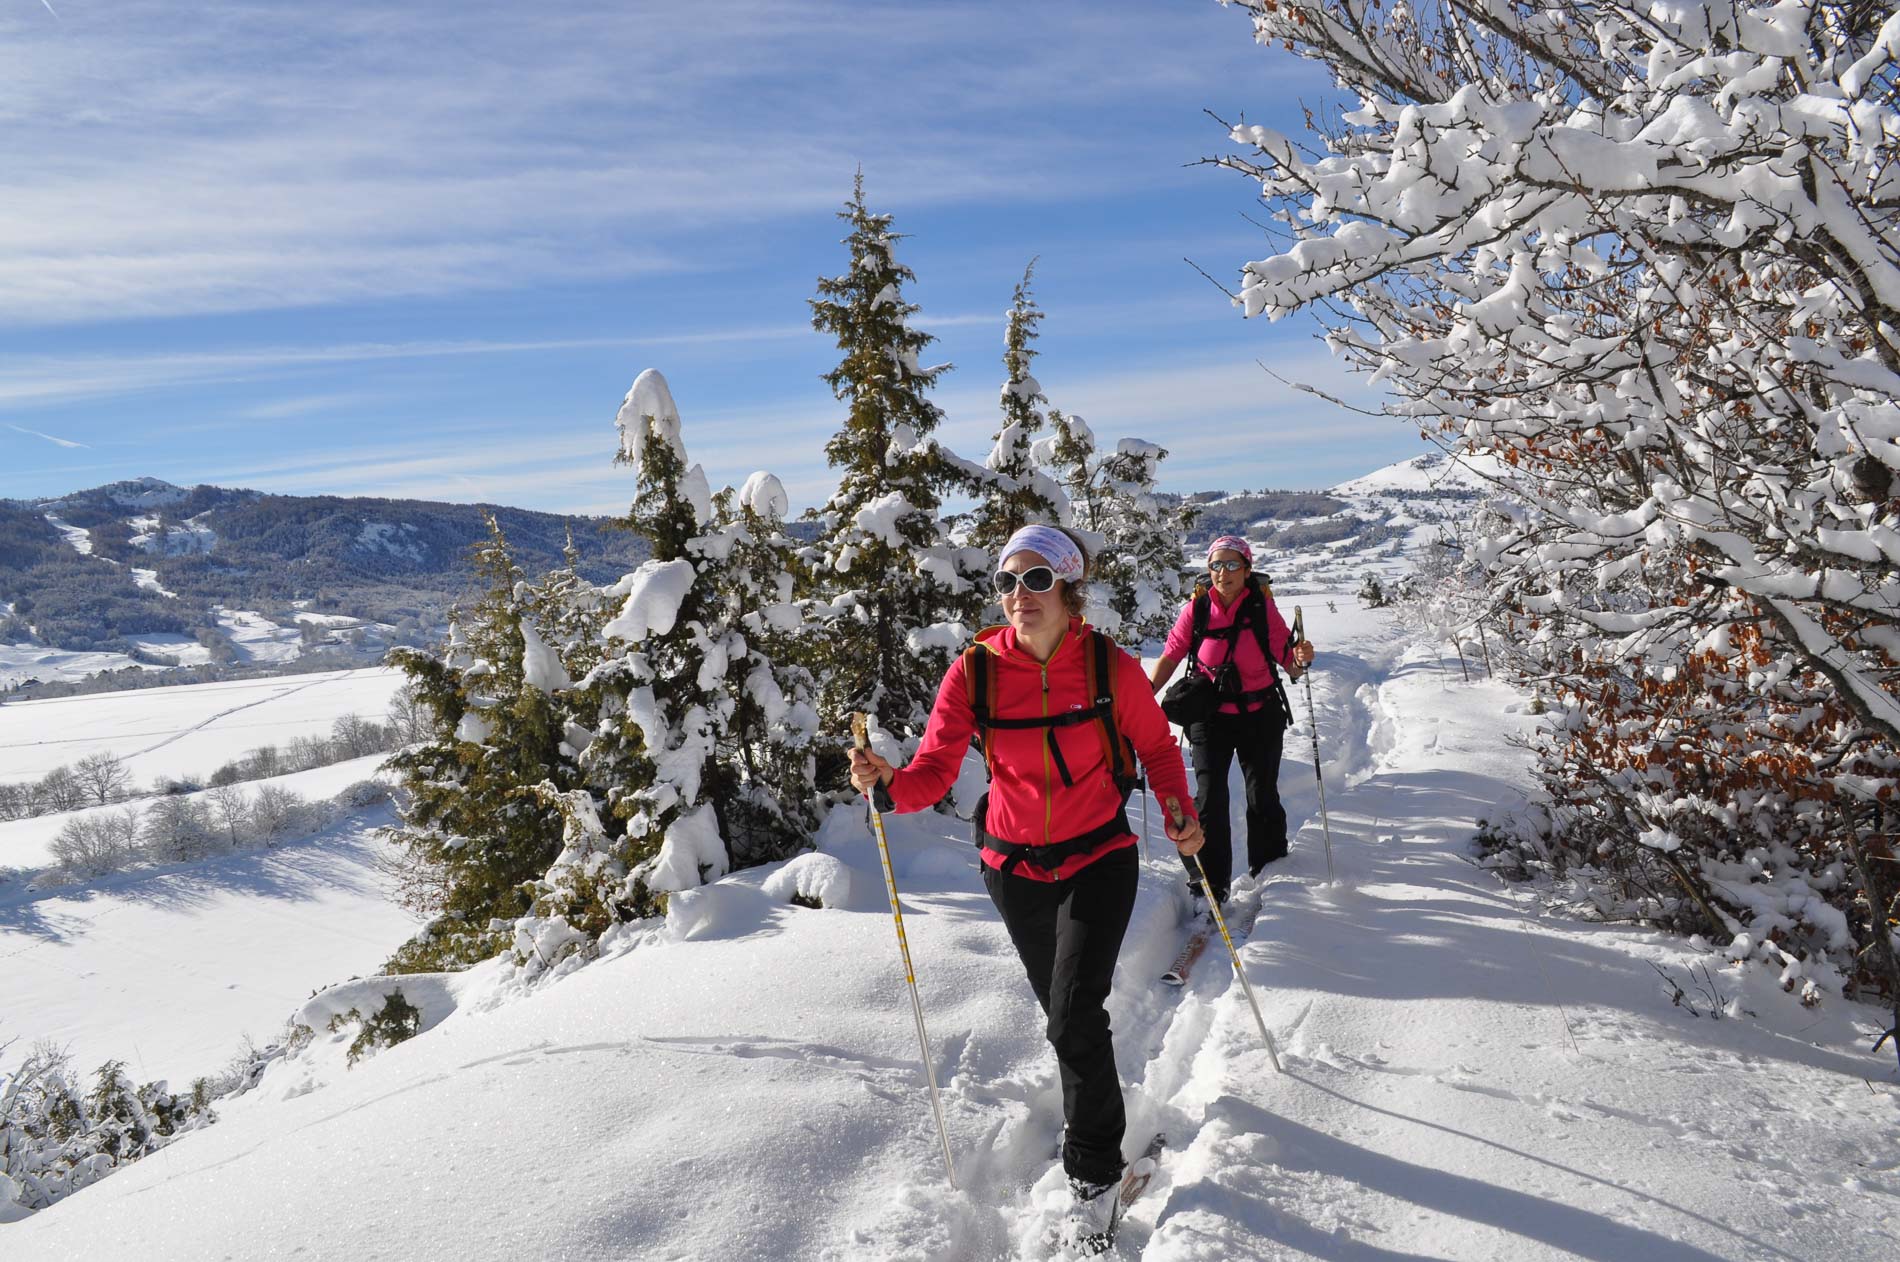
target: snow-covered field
184 731
257 638
1465 1078
20 662
170 970
26 844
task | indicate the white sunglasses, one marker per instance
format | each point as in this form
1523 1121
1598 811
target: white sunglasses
1037 578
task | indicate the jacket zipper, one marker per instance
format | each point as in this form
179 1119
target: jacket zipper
1048 806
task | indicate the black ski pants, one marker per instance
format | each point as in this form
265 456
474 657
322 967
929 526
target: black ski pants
1256 740
1068 934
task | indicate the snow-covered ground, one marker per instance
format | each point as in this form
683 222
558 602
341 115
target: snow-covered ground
148 579
19 662
180 539
257 638
26 845
78 537
1433 471
185 731
1464 1077
171 969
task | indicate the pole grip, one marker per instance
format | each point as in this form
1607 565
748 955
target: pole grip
860 731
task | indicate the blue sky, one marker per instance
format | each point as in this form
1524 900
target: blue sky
423 249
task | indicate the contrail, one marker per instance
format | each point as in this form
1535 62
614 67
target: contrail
63 442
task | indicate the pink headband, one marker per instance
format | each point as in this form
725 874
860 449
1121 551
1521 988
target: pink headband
1231 543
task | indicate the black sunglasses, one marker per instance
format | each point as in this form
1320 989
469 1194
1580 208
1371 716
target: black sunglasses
1218 566
1037 578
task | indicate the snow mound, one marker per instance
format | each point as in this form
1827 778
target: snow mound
434 995
824 879
722 910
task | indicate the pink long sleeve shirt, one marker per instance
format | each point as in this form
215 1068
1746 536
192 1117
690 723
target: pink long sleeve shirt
1254 671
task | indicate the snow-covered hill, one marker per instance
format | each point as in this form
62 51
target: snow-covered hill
170 968
1432 472
1465 1078
183 731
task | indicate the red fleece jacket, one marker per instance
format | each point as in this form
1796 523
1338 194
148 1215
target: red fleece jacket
1029 805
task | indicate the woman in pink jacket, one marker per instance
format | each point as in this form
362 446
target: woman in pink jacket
1234 634
1062 716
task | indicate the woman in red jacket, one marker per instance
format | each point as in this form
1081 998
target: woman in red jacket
1059 857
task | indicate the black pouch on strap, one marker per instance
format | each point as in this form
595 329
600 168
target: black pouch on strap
1190 699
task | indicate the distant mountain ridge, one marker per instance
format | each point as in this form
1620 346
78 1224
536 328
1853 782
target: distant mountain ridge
111 567
142 573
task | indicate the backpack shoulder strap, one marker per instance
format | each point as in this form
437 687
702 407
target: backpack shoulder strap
1197 626
1099 670
979 686
1262 593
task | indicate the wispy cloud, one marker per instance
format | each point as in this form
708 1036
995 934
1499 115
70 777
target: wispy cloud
64 378
186 158
305 405
33 433
61 379
1225 423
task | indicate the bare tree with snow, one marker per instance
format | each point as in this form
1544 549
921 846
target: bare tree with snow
1647 257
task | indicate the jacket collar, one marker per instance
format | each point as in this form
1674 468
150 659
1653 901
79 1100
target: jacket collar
1002 641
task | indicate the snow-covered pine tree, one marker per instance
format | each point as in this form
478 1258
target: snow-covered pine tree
1658 283
1135 538
566 614
899 596
750 569
1017 492
652 713
475 835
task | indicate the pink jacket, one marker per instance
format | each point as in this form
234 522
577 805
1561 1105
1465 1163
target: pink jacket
1254 672
1029 805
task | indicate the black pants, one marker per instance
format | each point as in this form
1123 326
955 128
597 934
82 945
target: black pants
1068 934
1256 739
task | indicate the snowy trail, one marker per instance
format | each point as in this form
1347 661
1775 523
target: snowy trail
1460 1076
1466 1078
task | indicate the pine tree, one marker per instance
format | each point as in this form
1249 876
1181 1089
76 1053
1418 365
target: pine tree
1136 539
475 834
901 596
1017 492
643 824
1143 575
750 566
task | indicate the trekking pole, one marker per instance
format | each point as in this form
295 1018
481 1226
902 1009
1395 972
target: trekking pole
861 739
1144 819
1220 921
1312 728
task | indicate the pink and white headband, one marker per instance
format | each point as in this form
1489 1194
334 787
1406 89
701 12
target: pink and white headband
1052 545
